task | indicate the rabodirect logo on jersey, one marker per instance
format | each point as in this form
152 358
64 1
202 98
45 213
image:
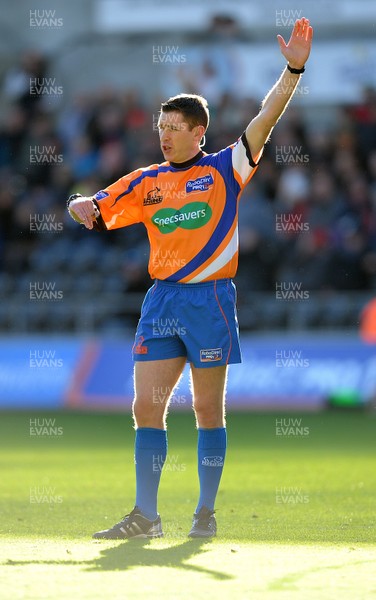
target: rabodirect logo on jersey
201 184
191 216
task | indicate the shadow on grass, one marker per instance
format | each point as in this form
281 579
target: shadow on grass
135 553
292 580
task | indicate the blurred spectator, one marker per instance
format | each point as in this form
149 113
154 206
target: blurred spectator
328 189
364 117
22 82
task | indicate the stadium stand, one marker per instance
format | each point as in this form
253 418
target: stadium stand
310 222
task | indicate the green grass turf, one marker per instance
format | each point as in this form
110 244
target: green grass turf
296 514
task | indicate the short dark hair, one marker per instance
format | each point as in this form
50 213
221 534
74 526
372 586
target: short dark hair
194 108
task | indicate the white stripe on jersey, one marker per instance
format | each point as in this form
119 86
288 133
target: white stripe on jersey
240 161
221 260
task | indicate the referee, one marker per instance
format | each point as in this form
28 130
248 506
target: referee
189 206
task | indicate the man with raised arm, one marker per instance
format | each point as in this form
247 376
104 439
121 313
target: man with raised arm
189 206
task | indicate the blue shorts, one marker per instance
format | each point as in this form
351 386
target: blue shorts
195 320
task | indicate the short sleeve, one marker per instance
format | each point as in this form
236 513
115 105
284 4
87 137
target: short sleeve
120 203
242 162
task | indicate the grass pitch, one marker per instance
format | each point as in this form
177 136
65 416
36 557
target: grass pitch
295 512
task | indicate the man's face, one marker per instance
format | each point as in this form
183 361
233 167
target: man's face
178 142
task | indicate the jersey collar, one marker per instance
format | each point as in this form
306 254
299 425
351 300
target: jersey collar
187 163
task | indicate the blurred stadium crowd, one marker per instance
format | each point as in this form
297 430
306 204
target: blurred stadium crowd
308 215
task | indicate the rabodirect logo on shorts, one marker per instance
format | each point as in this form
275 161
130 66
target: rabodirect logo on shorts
191 216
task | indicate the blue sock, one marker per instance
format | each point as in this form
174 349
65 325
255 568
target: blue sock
211 457
150 455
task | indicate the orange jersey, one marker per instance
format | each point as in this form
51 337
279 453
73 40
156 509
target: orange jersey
190 211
